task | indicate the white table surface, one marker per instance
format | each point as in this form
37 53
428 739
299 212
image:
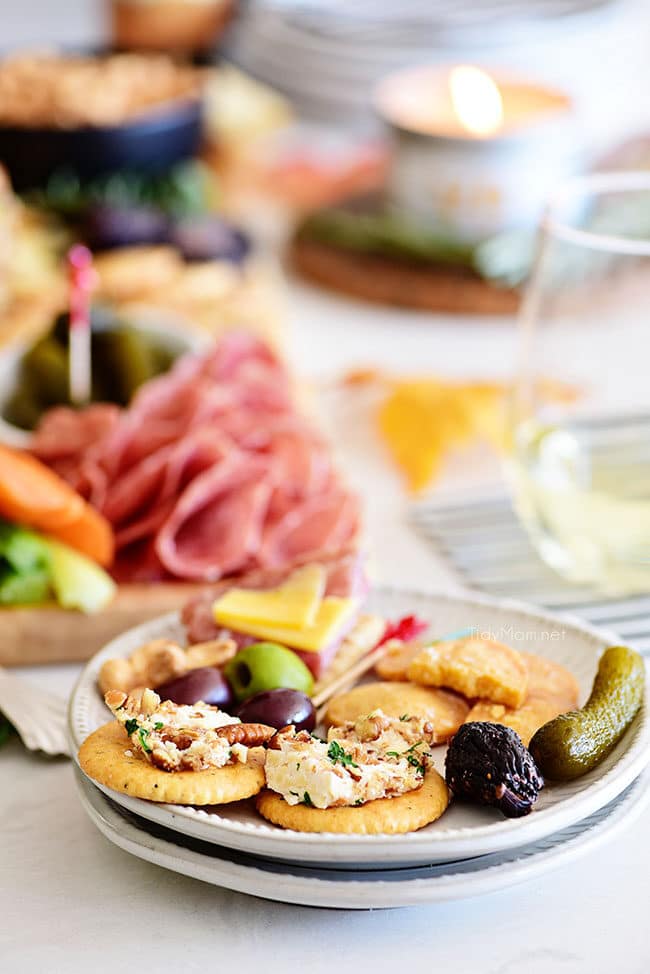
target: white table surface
71 903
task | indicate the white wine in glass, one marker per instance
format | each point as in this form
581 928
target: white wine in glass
579 464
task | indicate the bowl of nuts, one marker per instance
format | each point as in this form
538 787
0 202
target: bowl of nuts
96 114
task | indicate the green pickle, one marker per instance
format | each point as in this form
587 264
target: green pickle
574 743
122 362
45 366
123 359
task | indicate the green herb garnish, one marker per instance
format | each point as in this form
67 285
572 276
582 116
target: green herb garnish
359 801
143 734
131 726
337 754
415 763
405 717
307 800
158 725
412 758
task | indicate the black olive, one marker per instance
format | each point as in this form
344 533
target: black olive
210 238
488 764
108 226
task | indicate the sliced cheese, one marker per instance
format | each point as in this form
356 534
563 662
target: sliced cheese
294 604
333 613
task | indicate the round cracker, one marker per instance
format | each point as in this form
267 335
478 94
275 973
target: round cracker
396 661
384 816
525 720
552 690
103 757
445 710
549 679
474 667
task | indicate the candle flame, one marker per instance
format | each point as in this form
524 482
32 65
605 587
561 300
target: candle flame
476 100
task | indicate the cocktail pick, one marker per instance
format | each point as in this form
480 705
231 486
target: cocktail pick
81 277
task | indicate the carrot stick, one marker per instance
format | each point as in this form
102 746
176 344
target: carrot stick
32 494
91 534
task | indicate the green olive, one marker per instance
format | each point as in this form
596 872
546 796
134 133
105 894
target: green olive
266 666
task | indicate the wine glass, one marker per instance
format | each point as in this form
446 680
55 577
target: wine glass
579 460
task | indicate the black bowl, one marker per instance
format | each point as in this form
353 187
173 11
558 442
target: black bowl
150 143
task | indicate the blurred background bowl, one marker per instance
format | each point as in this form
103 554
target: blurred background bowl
152 142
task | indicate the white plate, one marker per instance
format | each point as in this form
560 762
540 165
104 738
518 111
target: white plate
361 890
463 831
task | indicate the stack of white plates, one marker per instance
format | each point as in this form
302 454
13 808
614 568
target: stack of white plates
327 54
468 851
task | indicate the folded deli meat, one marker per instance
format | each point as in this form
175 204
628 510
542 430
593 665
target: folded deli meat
211 471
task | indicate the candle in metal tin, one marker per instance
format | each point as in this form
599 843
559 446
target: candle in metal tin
475 153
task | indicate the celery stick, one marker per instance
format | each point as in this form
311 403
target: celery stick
77 581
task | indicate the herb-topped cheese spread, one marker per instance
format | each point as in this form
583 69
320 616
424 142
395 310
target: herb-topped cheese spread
175 737
373 757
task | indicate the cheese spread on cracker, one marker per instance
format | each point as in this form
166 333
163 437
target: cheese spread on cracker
176 737
373 757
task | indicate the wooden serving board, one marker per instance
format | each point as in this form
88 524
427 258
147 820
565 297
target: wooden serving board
405 284
49 634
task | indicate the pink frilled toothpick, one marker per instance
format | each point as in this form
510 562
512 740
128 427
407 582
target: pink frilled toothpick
81 278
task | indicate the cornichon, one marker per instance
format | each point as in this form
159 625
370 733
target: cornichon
123 358
574 743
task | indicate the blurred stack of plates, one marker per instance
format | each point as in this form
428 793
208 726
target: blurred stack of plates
327 54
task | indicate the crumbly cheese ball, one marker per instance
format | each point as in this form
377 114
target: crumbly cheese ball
374 757
175 737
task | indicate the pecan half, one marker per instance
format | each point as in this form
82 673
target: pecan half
252 735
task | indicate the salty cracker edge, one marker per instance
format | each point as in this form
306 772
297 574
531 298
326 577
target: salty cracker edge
387 816
102 757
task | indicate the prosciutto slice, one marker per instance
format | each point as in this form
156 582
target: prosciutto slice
210 473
